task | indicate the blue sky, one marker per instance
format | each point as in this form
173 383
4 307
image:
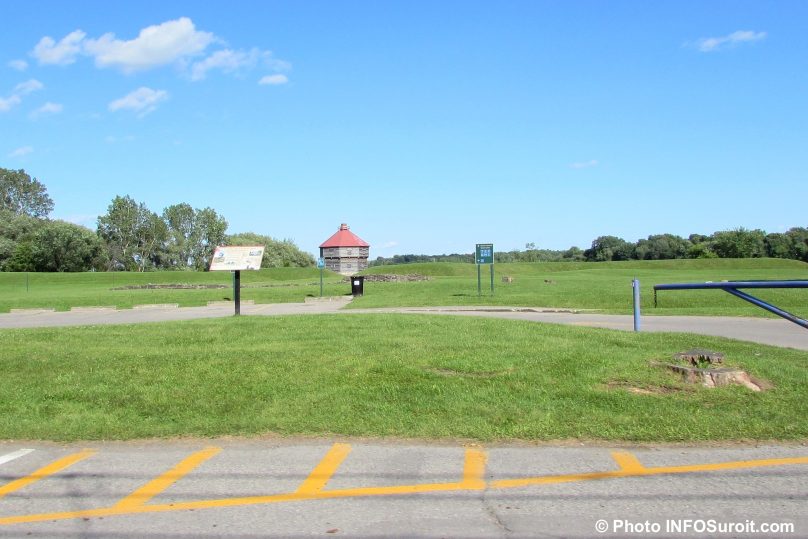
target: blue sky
427 126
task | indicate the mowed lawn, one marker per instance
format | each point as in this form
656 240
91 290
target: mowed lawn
603 287
409 376
61 291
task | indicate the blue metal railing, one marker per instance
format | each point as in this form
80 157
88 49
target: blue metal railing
732 288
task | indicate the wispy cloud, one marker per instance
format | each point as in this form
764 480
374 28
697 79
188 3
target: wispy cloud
7 103
389 245
21 152
19 65
142 101
585 164
711 44
225 60
27 87
47 109
48 51
22 89
229 61
274 80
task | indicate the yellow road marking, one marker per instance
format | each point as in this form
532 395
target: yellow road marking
159 484
473 471
635 472
45 471
628 462
322 473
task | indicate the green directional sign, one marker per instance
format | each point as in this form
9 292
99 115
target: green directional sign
485 253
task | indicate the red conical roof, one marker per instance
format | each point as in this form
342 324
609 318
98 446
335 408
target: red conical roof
344 238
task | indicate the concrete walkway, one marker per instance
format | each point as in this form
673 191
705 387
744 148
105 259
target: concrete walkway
759 330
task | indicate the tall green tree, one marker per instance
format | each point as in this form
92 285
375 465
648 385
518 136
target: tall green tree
23 195
605 248
662 247
739 243
135 236
799 243
277 253
16 234
210 230
181 222
62 246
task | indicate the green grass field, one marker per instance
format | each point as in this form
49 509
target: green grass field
603 287
384 375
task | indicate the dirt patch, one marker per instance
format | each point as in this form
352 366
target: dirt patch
176 286
647 390
463 374
384 278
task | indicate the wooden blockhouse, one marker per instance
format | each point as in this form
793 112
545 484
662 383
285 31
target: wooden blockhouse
345 252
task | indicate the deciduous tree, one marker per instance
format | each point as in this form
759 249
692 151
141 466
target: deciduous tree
23 195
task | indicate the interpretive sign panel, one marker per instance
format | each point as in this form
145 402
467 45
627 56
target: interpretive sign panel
237 257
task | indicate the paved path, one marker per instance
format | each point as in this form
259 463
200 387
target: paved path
276 488
760 330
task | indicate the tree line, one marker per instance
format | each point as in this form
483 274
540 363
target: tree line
129 237
738 243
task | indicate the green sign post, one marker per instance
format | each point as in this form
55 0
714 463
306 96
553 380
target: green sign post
484 254
321 265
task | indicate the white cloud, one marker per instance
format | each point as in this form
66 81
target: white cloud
274 80
389 245
155 46
25 88
226 60
710 44
19 65
585 164
47 109
229 61
47 51
21 152
7 103
143 101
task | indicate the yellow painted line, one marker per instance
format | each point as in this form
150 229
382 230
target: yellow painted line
50 469
322 473
660 470
472 479
474 469
160 484
628 462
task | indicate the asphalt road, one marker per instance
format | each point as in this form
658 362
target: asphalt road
277 488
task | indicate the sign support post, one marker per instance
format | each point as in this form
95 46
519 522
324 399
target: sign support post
484 254
237 290
321 265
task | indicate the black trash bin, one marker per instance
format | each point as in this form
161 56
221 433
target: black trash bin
358 285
